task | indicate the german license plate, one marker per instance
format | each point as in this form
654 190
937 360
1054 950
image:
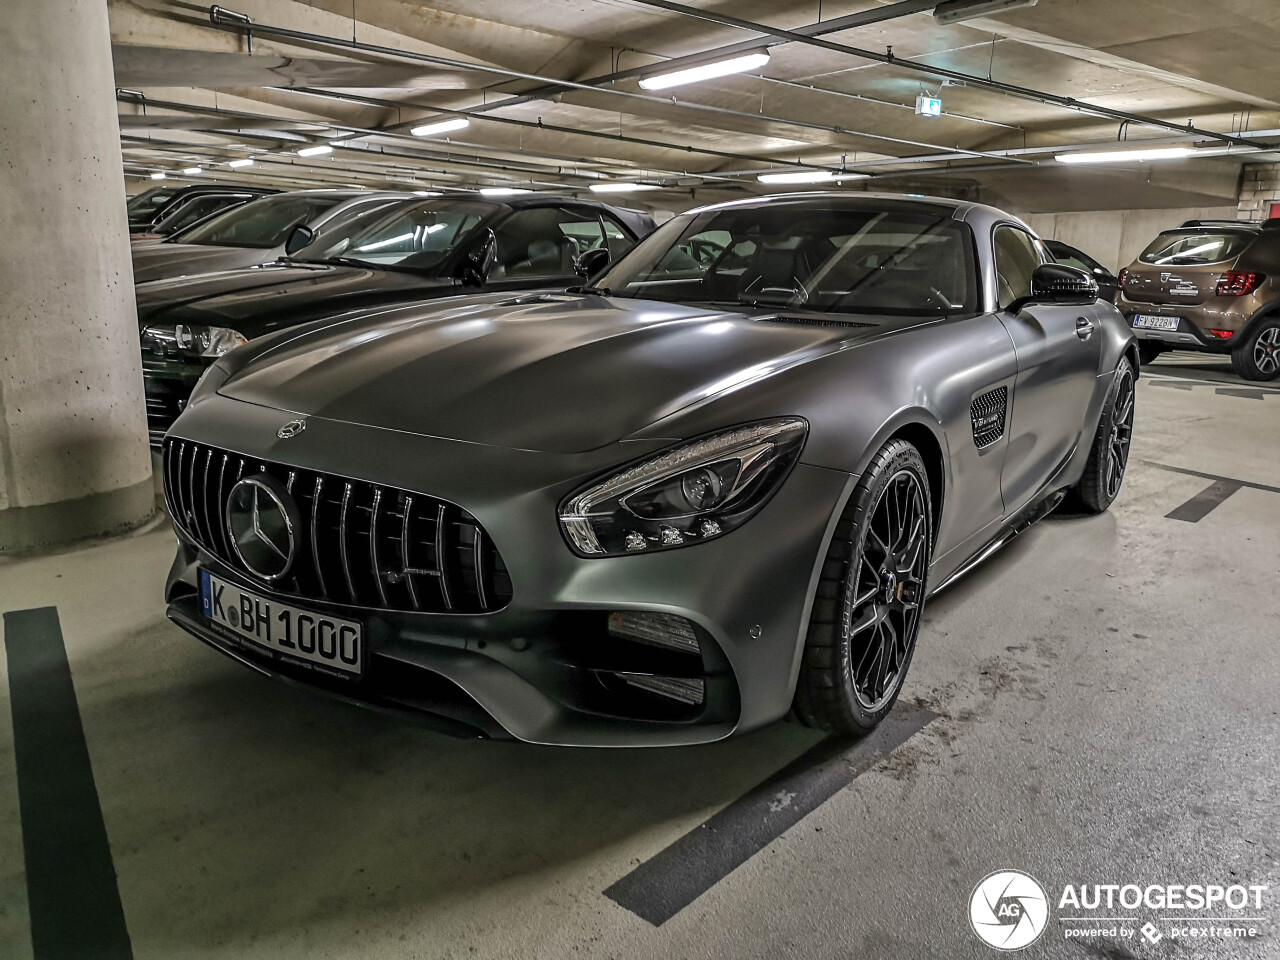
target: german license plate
286 631
1148 322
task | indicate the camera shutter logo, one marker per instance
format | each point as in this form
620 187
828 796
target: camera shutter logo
1008 910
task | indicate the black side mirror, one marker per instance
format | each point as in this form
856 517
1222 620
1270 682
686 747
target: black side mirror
299 237
1060 283
591 262
474 266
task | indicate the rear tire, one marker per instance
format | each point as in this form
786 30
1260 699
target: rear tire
1148 351
1257 356
866 614
1109 458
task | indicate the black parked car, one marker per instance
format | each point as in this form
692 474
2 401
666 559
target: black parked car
665 508
412 250
148 208
1106 280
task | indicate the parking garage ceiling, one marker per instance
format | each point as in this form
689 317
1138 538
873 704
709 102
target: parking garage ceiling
551 95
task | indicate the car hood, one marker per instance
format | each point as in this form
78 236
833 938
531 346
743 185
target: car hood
258 299
159 260
560 373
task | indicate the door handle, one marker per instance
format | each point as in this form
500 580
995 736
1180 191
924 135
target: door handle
1084 328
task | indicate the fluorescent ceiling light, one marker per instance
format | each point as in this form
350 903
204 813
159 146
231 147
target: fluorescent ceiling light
426 193
192 171
1125 156
622 187
955 11
242 162
501 191
157 175
797 176
442 126
706 71
317 151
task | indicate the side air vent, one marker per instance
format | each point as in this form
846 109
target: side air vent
988 412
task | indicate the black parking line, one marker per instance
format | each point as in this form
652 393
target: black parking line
1211 476
71 879
1247 393
1204 502
664 885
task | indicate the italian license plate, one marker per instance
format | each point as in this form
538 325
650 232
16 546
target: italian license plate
325 642
1148 322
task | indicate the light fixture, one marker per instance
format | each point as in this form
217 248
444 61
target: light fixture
956 11
501 191
427 193
158 175
622 187
706 71
242 162
797 176
441 126
192 171
927 106
1125 156
319 150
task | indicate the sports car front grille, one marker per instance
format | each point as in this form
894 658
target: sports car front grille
361 543
988 412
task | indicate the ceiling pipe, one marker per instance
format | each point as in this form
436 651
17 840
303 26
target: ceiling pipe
223 19
1025 93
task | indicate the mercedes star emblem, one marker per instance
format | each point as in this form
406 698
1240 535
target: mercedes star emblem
291 429
262 522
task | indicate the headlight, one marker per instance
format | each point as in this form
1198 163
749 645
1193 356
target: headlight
195 340
693 493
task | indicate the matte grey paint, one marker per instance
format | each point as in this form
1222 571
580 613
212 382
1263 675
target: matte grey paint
507 405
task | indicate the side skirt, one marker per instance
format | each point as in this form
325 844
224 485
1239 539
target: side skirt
1011 529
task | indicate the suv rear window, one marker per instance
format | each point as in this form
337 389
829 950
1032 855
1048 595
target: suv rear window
1188 246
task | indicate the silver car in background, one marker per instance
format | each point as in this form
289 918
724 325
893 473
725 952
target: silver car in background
251 234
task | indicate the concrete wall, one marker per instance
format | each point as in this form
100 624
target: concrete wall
1259 189
1116 237
73 443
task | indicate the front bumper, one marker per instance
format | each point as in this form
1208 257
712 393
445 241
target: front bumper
542 668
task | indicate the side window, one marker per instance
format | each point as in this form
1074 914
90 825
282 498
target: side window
616 239
1017 257
544 242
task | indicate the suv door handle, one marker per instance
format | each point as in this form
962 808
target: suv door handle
1084 328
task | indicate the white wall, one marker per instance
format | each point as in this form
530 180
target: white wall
1115 237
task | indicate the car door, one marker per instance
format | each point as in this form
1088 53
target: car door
1058 350
537 246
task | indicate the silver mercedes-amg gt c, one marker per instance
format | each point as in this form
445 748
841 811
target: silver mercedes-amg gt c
714 486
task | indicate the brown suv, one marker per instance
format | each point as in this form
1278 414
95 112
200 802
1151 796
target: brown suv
1211 285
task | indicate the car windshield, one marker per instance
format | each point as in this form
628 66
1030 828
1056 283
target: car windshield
148 202
415 235
191 213
858 260
1186 247
261 223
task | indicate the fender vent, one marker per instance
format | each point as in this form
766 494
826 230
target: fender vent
988 411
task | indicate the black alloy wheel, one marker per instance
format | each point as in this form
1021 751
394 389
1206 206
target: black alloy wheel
1109 458
866 616
1257 356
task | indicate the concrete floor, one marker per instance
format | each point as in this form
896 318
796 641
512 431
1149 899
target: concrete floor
1108 692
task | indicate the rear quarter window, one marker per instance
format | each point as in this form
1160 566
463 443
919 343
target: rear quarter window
1192 247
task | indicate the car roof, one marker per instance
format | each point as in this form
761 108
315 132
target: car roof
834 198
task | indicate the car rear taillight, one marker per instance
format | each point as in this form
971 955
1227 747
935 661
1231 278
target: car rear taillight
1122 276
1221 334
1235 283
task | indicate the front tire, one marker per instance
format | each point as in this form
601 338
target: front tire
1257 356
866 615
1109 458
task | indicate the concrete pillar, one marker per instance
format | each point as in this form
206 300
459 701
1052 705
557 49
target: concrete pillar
73 441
